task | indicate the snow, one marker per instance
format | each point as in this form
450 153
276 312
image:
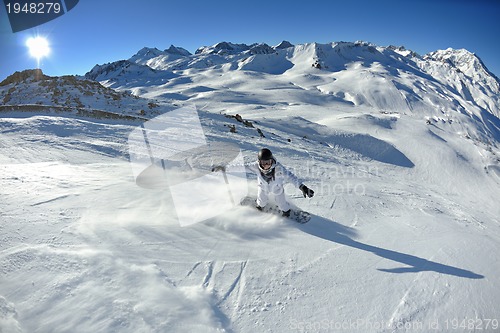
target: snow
405 225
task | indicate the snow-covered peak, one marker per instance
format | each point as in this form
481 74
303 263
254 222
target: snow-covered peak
154 57
463 60
284 45
262 48
115 69
403 51
145 53
466 74
178 50
157 59
223 48
227 48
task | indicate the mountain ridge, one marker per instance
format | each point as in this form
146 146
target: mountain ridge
452 57
31 90
441 85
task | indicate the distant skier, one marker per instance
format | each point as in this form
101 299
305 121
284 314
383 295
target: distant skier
271 177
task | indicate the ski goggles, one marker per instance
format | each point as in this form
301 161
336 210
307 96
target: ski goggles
266 162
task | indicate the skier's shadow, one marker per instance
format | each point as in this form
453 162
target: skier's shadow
337 233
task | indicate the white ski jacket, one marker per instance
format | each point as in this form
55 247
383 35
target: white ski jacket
281 175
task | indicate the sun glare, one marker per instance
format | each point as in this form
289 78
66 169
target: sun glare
38 48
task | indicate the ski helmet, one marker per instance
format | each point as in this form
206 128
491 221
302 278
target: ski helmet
265 154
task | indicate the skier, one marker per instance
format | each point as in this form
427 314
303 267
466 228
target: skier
271 176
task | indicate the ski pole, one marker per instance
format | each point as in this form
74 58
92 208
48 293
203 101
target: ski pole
227 185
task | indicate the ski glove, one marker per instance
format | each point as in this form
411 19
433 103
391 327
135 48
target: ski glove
307 192
219 168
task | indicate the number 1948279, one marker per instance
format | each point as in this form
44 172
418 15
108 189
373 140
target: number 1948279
33 8
476 324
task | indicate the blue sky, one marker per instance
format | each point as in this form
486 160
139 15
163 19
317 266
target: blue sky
97 32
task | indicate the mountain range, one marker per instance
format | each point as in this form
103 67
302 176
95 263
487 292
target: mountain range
449 86
443 85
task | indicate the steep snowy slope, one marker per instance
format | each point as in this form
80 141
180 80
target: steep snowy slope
405 227
402 237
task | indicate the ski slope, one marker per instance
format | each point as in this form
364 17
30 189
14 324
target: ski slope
389 246
404 234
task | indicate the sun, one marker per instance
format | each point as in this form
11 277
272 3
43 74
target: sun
38 48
